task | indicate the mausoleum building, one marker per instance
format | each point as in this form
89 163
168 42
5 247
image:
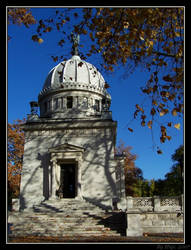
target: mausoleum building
69 145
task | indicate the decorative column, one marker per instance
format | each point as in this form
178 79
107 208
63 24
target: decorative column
79 189
75 100
54 184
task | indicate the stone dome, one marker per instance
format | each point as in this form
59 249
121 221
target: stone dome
74 70
74 89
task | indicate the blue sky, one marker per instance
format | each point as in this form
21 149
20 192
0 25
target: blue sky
28 64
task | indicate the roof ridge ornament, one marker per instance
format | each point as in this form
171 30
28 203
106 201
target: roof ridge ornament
75 39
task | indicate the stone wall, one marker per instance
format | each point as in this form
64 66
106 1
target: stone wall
98 180
155 204
154 215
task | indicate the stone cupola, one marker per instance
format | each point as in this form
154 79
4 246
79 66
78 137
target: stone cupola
74 89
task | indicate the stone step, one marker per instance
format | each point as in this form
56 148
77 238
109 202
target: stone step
69 234
47 207
65 217
63 229
67 211
70 203
58 230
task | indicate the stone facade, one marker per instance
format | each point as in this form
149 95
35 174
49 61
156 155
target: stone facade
69 147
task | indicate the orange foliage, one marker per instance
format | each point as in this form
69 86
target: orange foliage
15 154
132 173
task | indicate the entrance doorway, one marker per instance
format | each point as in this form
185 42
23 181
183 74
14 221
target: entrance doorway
67 180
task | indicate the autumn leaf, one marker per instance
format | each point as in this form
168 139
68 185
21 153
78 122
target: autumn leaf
159 151
55 58
153 111
106 85
136 113
164 112
154 102
143 123
130 129
126 25
40 40
174 112
168 137
35 38
15 153
139 108
152 38
84 32
167 78
150 124
177 126
80 64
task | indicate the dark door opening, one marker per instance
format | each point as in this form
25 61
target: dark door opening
68 181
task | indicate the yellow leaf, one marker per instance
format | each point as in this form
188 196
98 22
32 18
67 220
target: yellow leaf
177 126
174 113
126 25
162 113
150 124
40 40
150 43
143 123
138 107
171 43
177 34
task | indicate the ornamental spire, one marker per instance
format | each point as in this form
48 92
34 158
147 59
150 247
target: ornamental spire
75 40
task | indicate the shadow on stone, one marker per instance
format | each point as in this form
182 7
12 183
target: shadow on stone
114 220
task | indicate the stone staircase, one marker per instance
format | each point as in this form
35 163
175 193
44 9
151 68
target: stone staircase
67 217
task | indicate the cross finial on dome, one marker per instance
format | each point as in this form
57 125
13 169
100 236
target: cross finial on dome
75 40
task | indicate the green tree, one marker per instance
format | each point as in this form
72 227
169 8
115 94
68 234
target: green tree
178 157
172 185
152 187
159 187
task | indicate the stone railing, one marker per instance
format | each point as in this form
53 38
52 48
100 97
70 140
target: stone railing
154 204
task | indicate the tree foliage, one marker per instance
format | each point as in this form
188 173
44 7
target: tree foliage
132 173
20 16
172 185
137 186
151 38
15 155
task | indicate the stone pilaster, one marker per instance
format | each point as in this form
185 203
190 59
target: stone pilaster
54 184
